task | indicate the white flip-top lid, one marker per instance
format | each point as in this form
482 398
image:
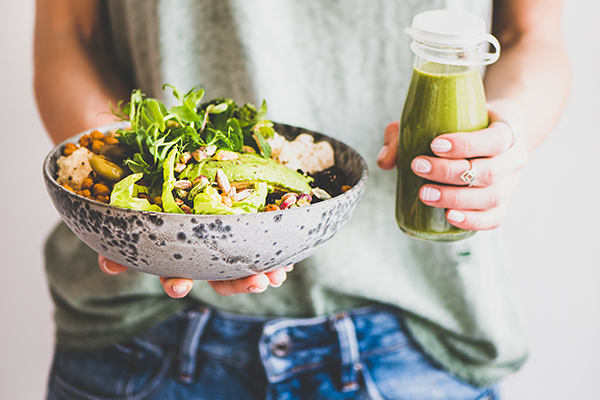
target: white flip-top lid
450 28
453 29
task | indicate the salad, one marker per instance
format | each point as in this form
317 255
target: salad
198 158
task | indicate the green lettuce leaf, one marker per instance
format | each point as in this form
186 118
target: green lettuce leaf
209 202
125 194
168 200
254 202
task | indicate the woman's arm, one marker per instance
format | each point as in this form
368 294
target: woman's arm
74 78
531 79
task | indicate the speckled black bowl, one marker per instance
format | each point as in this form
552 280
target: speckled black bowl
208 247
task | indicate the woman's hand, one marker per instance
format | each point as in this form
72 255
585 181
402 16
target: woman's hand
178 287
495 154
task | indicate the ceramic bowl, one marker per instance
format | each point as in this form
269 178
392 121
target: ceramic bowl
208 247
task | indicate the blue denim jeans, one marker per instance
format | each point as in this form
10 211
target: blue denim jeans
207 354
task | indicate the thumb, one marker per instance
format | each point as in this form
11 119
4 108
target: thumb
387 155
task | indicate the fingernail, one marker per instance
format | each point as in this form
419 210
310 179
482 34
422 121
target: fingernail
108 270
254 289
430 194
441 145
383 153
289 268
456 216
179 289
274 285
422 166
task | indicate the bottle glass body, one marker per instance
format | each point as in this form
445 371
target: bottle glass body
442 98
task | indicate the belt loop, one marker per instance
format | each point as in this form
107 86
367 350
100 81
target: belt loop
190 342
351 364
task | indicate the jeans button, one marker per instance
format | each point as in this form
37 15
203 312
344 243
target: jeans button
281 346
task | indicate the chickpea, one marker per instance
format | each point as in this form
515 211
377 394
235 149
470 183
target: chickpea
87 183
96 146
103 199
69 188
101 189
97 135
86 193
111 140
69 149
271 207
85 140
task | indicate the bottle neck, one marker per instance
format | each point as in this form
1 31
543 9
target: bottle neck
476 55
426 65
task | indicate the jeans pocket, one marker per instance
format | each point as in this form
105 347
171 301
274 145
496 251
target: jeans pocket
128 371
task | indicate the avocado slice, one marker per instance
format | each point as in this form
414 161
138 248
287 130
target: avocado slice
249 168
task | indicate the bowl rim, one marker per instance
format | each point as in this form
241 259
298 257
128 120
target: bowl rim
357 187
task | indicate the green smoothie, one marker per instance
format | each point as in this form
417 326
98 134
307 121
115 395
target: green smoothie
441 99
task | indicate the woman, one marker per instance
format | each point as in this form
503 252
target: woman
374 314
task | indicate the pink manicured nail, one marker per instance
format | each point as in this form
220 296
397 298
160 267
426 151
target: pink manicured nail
382 153
422 166
108 270
430 194
179 289
456 216
441 145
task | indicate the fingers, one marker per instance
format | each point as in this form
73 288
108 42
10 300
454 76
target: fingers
177 287
488 171
277 277
110 267
252 284
387 155
492 152
472 208
174 287
477 220
488 142
465 198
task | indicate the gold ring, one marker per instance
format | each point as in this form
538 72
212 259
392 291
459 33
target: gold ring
468 176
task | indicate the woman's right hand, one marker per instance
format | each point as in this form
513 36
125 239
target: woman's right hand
178 287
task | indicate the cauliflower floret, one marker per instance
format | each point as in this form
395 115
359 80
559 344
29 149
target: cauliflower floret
72 170
302 153
276 143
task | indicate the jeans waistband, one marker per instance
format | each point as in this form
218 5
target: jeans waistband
282 346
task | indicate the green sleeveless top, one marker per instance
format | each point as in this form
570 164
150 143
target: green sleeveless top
339 67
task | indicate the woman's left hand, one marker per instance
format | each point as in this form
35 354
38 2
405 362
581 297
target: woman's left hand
495 155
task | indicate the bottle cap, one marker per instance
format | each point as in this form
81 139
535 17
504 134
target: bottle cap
452 29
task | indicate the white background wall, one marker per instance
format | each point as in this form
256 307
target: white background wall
553 227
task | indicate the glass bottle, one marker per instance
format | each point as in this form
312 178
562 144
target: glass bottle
445 95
